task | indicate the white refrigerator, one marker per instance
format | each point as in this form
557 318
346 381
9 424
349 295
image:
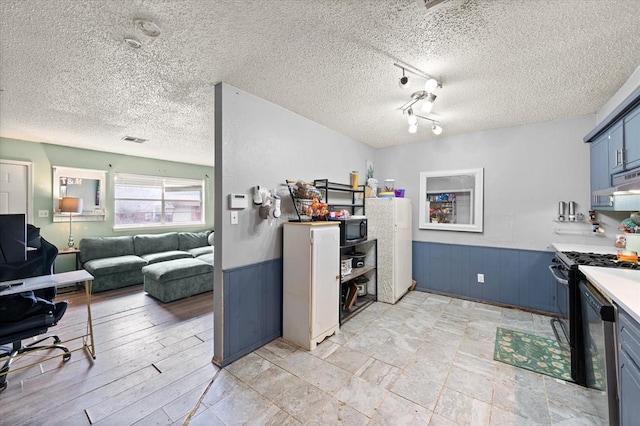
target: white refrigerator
311 287
389 221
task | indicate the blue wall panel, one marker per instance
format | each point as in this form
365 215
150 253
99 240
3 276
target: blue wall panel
512 277
252 308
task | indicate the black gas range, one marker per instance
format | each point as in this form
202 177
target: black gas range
567 325
607 260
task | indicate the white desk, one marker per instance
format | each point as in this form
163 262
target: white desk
65 279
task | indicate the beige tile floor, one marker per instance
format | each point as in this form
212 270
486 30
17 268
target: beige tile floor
428 360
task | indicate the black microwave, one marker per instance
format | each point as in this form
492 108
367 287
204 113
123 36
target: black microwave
353 230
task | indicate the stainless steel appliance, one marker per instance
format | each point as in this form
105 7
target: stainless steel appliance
598 332
568 325
622 196
590 321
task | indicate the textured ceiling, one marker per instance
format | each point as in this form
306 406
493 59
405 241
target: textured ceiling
68 78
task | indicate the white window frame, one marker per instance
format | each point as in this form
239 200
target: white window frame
160 181
476 198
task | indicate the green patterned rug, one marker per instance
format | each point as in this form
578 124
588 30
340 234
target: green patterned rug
533 353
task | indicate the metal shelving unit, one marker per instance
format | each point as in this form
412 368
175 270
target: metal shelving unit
369 270
357 195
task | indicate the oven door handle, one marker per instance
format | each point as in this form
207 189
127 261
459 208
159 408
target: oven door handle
556 276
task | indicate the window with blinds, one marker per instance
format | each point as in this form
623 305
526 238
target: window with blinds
157 201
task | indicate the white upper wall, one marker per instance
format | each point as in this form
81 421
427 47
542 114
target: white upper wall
527 171
259 143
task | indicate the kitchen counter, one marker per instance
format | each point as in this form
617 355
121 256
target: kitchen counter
621 286
585 248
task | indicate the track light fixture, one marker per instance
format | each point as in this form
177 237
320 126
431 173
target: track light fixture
427 100
431 85
426 97
427 105
404 80
412 119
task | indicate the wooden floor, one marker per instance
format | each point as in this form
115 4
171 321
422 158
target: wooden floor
153 364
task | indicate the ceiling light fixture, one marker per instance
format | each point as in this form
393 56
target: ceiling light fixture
427 97
421 95
404 80
427 105
412 119
431 85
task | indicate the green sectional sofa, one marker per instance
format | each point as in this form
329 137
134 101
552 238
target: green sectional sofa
117 262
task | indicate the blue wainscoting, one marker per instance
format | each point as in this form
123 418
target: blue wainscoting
512 277
252 308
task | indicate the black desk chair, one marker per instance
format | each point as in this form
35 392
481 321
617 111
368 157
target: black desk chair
29 314
13 333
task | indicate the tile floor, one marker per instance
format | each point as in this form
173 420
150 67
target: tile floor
428 360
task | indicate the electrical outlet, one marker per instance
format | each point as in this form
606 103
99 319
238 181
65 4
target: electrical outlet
481 278
43 213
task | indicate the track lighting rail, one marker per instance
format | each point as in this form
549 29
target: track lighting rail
415 71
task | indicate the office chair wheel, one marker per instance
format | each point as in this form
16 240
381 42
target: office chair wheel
56 340
66 357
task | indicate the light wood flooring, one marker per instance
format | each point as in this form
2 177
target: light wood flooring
153 364
426 360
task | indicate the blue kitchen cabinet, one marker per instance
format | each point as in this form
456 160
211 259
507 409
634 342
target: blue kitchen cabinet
628 368
600 174
632 139
615 137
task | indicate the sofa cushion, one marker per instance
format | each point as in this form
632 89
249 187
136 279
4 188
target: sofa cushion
101 247
155 243
206 258
178 268
195 252
165 255
191 240
111 265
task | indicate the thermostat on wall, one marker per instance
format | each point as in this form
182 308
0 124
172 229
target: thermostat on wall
238 201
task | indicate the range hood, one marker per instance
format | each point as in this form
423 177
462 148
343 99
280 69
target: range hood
628 182
624 195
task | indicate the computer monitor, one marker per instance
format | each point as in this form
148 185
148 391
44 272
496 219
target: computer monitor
13 238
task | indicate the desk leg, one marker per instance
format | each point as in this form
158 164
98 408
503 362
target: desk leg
92 349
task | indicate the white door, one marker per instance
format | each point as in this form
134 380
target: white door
325 278
15 188
401 247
